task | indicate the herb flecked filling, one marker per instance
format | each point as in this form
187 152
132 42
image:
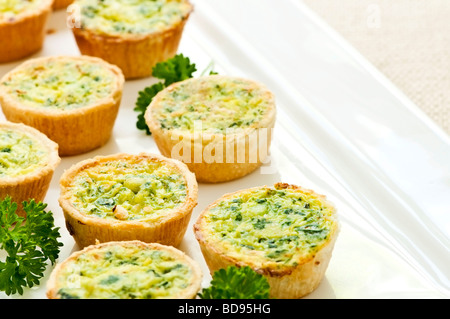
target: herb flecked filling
277 224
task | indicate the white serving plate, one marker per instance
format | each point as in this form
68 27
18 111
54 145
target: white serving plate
342 130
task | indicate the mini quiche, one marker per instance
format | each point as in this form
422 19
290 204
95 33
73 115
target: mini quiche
284 232
220 126
134 35
61 4
28 160
123 196
22 27
73 100
126 270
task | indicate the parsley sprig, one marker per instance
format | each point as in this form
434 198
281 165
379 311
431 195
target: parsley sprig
144 99
176 69
28 242
173 70
236 283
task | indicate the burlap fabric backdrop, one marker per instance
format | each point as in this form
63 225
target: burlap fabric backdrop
407 40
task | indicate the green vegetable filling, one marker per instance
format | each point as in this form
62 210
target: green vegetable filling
63 85
119 272
279 223
131 16
10 8
146 190
218 103
19 153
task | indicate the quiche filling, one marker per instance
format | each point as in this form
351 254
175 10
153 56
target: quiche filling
61 84
124 272
122 189
272 224
19 153
221 104
131 16
9 9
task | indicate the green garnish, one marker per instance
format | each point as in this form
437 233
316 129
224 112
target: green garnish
28 244
236 283
143 101
176 69
173 70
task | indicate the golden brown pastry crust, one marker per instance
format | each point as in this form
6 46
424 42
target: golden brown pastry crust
86 230
35 184
24 35
76 131
61 4
208 171
134 54
286 282
189 293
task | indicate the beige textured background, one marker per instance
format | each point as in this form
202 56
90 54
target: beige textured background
407 40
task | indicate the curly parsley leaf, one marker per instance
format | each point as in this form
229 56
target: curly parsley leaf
176 69
28 243
144 98
236 283
173 70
